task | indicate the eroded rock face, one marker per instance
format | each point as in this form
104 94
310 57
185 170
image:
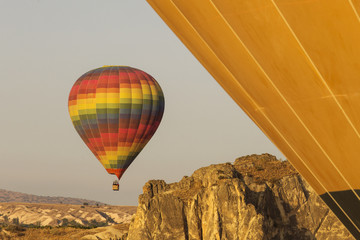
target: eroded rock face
55 214
257 197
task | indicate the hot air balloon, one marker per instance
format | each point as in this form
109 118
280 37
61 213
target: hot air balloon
116 110
294 68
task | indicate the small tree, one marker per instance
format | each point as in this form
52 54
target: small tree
16 221
38 224
65 222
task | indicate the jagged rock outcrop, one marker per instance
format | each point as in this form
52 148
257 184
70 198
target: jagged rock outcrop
257 197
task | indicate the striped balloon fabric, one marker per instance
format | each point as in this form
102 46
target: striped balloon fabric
116 110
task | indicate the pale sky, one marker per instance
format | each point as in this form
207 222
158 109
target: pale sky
46 45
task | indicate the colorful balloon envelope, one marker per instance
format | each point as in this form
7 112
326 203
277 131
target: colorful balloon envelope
116 110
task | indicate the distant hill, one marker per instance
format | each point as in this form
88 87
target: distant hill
10 196
44 214
118 232
39 221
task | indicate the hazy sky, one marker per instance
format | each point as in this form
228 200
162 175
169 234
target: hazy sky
46 45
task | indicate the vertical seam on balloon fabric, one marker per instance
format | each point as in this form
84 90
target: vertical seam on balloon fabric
119 135
134 144
77 112
328 88
354 9
86 109
119 117
96 142
97 120
152 115
274 125
160 109
85 134
154 125
127 132
107 115
138 146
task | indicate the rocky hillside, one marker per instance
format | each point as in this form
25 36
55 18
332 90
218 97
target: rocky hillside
113 232
256 198
39 214
35 221
10 196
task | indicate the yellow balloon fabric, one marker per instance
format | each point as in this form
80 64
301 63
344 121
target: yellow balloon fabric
294 68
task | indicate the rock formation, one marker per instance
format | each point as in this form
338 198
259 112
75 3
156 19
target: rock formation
64 214
257 197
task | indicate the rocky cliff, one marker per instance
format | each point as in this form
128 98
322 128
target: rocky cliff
257 197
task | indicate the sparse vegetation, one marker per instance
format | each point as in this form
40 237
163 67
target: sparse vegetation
263 168
95 224
15 228
86 225
16 221
58 233
65 222
36 231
